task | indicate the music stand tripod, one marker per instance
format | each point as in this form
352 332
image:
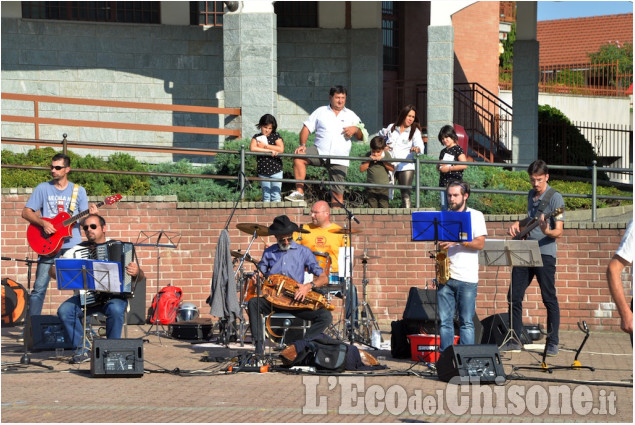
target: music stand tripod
515 253
172 241
25 360
440 226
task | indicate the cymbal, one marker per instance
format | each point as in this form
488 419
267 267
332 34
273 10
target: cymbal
344 231
238 254
366 257
253 227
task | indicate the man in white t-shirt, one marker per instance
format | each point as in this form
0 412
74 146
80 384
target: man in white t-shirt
334 126
623 257
459 293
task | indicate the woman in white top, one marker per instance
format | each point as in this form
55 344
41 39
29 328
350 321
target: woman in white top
404 141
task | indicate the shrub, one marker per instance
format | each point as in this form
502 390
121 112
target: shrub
94 183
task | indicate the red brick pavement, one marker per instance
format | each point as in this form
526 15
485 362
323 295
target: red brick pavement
68 394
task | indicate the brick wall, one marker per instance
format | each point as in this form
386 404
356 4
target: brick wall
584 252
476 44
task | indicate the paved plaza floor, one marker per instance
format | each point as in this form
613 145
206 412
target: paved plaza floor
178 386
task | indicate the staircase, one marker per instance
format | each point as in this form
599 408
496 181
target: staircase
487 121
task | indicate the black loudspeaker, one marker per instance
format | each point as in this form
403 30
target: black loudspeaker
192 330
480 362
46 333
496 327
419 314
137 313
117 358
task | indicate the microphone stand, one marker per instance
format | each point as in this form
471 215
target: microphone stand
26 359
349 280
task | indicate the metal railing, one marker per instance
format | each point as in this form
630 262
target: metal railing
591 79
243 153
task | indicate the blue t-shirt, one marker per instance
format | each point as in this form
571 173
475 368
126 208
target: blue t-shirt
45 198
289 263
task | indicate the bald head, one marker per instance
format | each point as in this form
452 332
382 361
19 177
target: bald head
321 214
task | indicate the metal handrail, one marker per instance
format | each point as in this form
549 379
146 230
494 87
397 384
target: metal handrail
243 153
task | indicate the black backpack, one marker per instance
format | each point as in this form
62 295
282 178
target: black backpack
324 354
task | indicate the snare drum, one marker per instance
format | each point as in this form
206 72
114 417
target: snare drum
324 260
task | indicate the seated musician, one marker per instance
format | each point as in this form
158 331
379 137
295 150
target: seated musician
112 305
322 239
288 258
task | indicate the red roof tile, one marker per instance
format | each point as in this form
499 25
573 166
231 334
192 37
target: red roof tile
568 41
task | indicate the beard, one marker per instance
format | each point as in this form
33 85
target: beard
284 247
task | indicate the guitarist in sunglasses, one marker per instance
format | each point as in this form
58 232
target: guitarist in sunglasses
48 200
544 223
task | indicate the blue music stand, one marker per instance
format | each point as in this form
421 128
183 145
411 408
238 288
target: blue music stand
449 226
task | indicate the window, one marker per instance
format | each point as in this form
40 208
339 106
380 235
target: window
209 13
296 14
138 12
390 34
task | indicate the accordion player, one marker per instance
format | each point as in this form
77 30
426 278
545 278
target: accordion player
112 251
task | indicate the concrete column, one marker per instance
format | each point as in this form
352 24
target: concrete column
440 82
250 64
525 88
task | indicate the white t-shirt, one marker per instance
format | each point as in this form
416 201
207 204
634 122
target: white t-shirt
400 145
464 261
328 129
626 246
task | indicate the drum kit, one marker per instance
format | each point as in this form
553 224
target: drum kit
247 284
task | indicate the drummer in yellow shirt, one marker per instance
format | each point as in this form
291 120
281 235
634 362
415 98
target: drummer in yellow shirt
322 241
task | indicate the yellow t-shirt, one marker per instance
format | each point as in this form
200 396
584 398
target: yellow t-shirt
321 240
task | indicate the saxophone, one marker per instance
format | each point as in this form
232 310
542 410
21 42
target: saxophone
443 266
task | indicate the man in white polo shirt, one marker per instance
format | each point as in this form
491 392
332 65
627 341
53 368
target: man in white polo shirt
334 126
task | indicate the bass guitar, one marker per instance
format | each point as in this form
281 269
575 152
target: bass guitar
49 245
534 223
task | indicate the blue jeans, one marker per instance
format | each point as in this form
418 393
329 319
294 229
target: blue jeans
72 317
271 190
42 279
546 277
461 296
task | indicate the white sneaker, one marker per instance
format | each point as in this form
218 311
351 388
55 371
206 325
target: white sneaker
295 197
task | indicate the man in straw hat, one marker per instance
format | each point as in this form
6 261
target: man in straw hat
290 259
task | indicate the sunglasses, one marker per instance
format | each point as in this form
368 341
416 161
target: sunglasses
92 226
56 167
289 239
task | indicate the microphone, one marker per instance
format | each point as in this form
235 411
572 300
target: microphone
300 237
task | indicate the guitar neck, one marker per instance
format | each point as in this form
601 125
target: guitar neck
82 214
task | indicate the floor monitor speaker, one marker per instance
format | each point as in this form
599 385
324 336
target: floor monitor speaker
480 362
117 358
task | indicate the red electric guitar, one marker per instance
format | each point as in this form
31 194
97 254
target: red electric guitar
49 245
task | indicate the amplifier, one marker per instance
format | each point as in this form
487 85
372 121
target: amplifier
480 362
46 333
117 358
